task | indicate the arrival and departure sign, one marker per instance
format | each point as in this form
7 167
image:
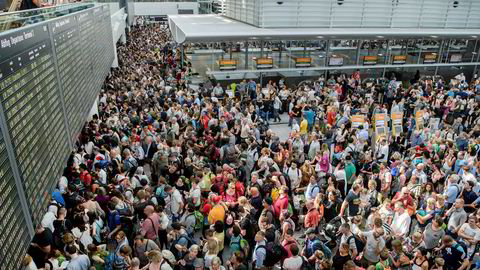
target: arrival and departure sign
50 75
14 234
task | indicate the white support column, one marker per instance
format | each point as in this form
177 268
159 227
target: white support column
93 110
115 59
123 37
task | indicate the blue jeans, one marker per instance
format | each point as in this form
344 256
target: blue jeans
276 115
175 218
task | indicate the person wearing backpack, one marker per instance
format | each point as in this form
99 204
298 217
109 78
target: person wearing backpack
189 220
259 253
129 162
61 226
151 225
157 261
77 261
312 244
268 210
295 262
453 191
235 239
182 241
312 189
113 219
348 238
141 247
453 253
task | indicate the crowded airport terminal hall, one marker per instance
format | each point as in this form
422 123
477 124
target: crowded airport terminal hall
240 135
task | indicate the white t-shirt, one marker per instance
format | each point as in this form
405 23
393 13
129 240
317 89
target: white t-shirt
47 220
63 184
295 176
383 151
196 193
340 175
84 237
370 251
475 233
401 224
293 263
176 201
102 176
81 262
351 242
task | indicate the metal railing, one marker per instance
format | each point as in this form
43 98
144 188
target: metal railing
17 19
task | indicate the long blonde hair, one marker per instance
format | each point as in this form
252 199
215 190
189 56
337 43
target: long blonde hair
212 246
155 256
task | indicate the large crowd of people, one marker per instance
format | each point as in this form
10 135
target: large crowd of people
168 177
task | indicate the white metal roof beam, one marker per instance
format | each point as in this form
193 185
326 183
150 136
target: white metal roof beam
212 28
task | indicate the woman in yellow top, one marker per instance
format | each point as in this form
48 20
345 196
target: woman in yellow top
218 211
304 126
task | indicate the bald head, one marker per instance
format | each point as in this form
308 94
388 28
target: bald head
149 210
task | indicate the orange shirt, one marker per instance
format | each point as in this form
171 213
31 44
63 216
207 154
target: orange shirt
312 218
331 118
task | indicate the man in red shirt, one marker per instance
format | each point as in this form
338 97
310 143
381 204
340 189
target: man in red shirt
404 197
356 75
85 177
312 218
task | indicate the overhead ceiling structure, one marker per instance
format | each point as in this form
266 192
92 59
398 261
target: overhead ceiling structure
214 28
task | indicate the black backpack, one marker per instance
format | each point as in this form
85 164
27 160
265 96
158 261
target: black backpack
358 243
306 265
274 254
335 161
58 234
190 242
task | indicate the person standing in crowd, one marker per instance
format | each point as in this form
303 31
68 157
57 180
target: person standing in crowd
352 201
457 217
373 246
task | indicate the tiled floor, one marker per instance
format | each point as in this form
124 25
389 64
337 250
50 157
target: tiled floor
282 130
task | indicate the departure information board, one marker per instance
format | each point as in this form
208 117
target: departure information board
29 79
50 75
14 234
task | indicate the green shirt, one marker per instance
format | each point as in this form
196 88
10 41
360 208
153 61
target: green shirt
383 265
350 171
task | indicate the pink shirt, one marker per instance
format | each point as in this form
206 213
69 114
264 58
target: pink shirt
324 163
150 226
280 204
